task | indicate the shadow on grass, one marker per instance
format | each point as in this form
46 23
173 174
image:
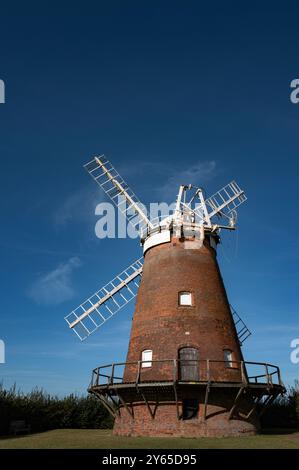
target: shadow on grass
274 431
27 434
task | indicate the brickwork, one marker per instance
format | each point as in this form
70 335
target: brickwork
166 422
163 326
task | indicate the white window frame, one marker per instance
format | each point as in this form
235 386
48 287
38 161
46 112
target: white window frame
185 299
228 357
147 355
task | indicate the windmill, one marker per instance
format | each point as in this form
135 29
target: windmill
184 363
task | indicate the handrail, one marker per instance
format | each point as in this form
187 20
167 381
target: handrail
167 222
272 377
262 375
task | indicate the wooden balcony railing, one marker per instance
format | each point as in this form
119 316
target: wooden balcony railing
170 370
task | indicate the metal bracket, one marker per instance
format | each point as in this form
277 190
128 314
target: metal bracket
130 411
206 400
237 399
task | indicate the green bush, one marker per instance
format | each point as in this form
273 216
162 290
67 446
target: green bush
44 412
284 411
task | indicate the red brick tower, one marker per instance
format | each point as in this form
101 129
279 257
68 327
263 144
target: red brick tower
184 374
183 271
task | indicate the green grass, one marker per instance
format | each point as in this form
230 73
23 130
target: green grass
103 439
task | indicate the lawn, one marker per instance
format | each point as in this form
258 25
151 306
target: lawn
103 439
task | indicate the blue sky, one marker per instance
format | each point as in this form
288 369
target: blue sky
172 93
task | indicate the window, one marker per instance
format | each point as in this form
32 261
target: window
185 298
190 408
147 355
228 357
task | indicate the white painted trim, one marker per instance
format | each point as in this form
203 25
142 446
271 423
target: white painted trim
156 239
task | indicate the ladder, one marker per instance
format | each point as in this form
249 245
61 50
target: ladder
106 302
243 331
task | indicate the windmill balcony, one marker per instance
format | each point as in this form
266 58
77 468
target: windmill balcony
128 384
193 372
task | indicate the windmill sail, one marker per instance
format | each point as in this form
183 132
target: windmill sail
106 302
222 203
106 176
226 200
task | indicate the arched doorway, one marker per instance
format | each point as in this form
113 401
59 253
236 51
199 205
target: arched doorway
189 364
